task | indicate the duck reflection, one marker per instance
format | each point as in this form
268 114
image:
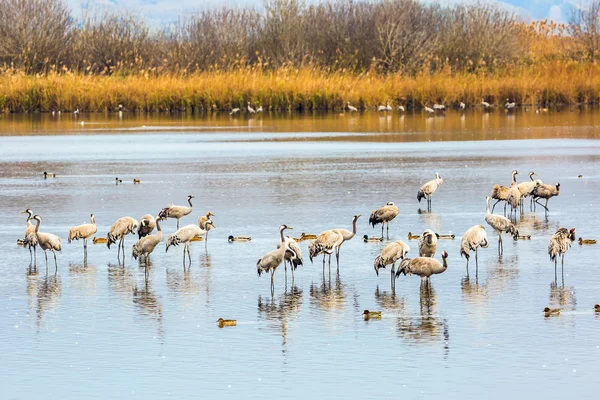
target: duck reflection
327 296
147 303
389 300
43 293
426 327
280 310
430 219
562 296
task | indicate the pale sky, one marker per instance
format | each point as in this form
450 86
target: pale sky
158 11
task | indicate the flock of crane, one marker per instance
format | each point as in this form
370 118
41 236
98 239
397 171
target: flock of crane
328 242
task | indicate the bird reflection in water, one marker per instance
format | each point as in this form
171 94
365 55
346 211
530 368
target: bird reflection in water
389 300
43 293
562 296
504 271
426 327
84 278
328 297
147 303
280 310
120 281
430 219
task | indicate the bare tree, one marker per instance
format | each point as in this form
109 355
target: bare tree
34 34
584 25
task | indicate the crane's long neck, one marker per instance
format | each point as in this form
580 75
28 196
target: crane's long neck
92 220
354 227
444 263
190 202
531 177
158 225
514 177
282 237
37 226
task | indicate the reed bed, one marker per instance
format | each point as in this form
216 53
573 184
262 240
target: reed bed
551 83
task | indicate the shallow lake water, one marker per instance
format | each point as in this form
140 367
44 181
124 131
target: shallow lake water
97 328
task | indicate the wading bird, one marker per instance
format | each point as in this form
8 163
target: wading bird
428 243
343 236
390 255
178 212
560 242
423 267
202 221
47 241
510 105
500 224
383 216
250 109
259 109
147 225
324 244
270 261
485 104
351 108
526 189
474 238
234 111
293 255
428 189
429 110
462 105
84 232
514 196
544 191
121 228
146 244
185 236
500 193
30 240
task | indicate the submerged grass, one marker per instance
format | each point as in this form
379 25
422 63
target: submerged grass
550 83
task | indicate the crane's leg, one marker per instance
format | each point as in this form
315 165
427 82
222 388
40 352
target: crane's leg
189 254
178 223
272 280
547 206
392 275
56 264
542 205
476 262
467 267
34 254
382 229
337 258
285 270
555 267
388 231
184 255
46 255
292 269
323 264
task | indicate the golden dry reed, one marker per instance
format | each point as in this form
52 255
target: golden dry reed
557 82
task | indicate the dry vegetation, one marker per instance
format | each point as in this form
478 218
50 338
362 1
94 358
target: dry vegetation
290 55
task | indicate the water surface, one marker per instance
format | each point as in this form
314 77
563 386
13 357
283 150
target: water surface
97 328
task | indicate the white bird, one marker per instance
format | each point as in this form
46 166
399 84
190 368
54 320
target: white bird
178 212
463 105
509 105
84 232
351 108
474 238
146 244
390 255
47 241
121 228
259 109
388 107
234 111
484 103
250 109
185 236
500 224
428 189
428 243
401 108
439 107
273 259
429 110
76 112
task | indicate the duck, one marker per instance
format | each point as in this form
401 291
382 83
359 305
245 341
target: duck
96 240
551 311
368 239
21 242
197 239
117 181
232 239
136 181
49 175
371 314
583 241
580 176
413 237
226 322
445 236
305 236
523 237
597 308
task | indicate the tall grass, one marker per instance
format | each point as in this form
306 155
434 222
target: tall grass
556 82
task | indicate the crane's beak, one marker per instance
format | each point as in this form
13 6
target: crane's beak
290 228
214 226
23 212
